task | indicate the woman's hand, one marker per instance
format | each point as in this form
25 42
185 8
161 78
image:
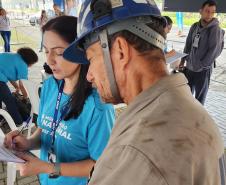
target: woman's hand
33 165
17 90
170 53
16 141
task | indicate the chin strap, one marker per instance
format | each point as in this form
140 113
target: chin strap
108 65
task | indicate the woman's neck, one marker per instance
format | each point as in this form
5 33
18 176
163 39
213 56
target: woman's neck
70 83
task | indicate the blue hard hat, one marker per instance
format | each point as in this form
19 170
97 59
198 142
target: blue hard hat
98 14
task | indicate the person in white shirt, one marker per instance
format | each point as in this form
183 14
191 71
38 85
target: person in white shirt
5 29
42 21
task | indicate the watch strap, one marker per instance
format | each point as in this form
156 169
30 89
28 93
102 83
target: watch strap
56 172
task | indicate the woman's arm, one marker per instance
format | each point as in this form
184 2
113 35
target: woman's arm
78 169
35 166
15 85
22 89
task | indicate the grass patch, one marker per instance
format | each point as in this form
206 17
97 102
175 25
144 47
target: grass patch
20 39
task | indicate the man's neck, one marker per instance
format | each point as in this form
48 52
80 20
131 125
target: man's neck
204 23
140 82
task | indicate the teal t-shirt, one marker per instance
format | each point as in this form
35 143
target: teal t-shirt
12 67
76 139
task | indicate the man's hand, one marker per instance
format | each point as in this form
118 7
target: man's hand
181 66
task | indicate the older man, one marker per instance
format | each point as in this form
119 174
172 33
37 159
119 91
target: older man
165 137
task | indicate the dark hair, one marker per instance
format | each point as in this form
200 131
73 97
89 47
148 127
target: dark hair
65 27
28 55
141 45
168 20
209 3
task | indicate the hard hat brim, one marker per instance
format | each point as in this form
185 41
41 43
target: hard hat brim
75 54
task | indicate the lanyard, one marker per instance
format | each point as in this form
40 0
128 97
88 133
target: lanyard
55 122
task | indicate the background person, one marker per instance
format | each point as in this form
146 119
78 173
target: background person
5 29
164 137
203 45
72 8
14 67
167 29
72 138
57 10
42 21
170 53
180 23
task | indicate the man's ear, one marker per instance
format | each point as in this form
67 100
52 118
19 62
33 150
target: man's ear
121 51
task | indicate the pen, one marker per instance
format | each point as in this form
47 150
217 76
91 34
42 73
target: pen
24 125
21 130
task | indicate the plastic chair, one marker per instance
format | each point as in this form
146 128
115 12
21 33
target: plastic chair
9 119
11 167
32 89
2 133
44 75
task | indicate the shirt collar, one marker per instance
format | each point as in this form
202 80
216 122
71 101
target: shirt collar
165 84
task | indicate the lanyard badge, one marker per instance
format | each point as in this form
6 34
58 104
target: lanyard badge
196 40
55 124
51 156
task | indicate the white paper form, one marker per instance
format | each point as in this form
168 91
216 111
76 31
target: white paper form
175 57
8 155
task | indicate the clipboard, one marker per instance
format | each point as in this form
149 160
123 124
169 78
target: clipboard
7 155
176 57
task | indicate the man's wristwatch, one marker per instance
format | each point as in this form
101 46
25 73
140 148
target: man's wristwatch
56 172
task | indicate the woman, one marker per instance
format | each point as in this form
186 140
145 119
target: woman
42 21
173 66
5 29
71 111
167 29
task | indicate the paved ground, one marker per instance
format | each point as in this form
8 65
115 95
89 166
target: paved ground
215 105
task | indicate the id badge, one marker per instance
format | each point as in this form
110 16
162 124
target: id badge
51 157
196 41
